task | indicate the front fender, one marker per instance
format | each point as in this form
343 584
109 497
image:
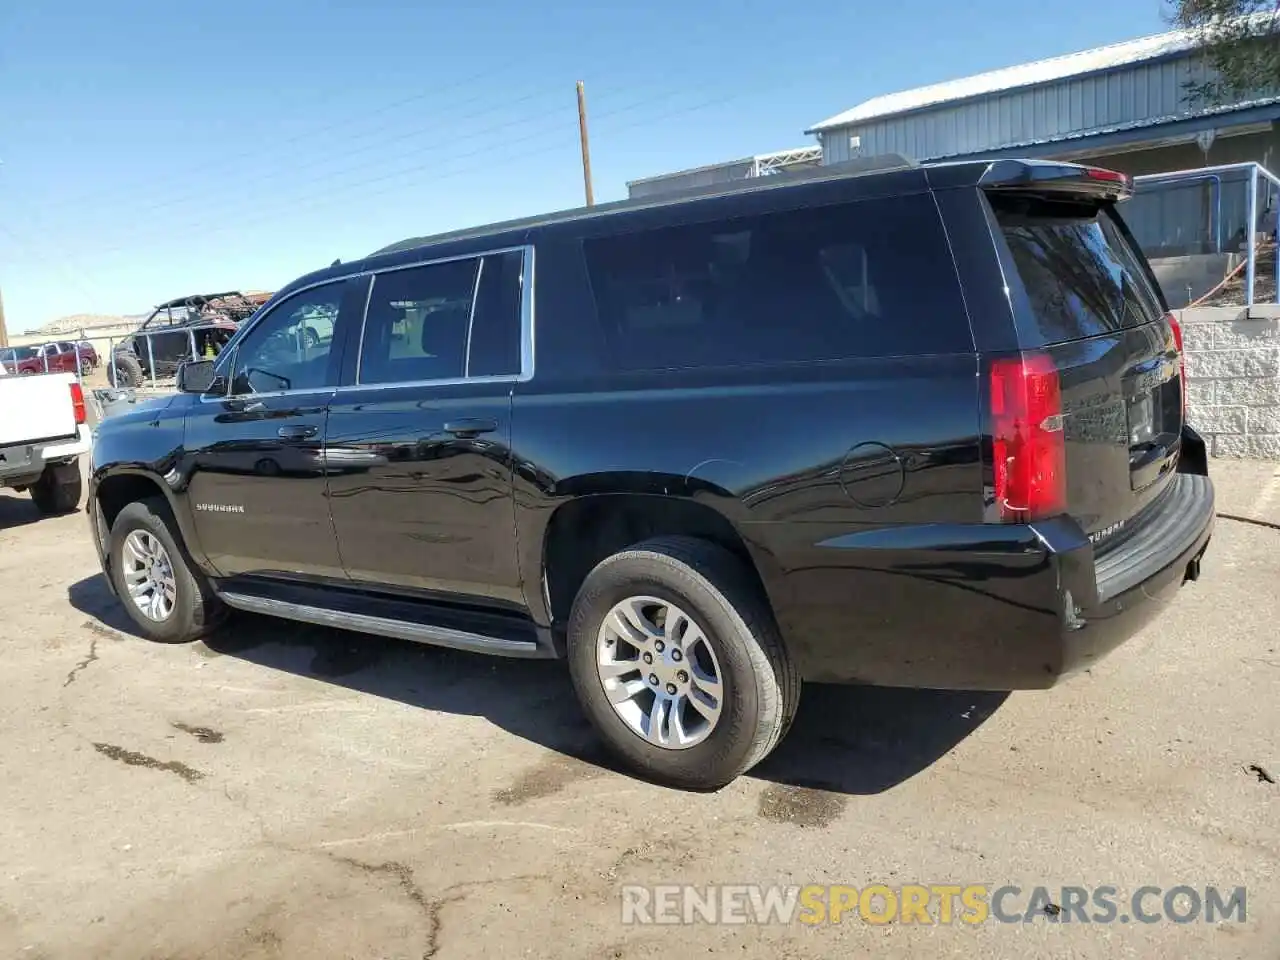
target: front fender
138 450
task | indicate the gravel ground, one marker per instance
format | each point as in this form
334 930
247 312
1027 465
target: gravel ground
284 791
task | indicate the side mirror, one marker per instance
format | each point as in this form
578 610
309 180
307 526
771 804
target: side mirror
197 376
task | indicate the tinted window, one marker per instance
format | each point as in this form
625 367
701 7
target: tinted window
495 328
1082 275
290 348
416 325
869 279
421 324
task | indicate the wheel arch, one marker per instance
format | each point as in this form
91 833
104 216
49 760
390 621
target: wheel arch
584 530
118 487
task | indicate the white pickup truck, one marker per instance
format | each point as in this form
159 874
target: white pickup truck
43 431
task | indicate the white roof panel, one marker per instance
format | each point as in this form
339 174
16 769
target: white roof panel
1010 78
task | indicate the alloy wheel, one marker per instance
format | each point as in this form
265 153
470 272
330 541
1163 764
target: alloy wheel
148 575
659 672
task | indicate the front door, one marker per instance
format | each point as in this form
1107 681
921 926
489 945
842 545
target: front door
426 501
258 487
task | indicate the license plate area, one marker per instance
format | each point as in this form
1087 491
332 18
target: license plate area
1153 418
16 457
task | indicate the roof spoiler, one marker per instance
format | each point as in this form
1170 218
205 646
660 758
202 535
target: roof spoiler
1058 178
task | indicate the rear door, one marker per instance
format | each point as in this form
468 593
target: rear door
419 435
1083 295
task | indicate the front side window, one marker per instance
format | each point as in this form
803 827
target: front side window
290 348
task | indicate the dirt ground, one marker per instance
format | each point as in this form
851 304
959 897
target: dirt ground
291 792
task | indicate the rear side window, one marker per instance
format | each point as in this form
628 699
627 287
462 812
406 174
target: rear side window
494 341
867 279
416 324
444 321
1082 275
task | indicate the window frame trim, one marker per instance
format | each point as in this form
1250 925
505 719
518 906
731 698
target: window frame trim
232 347
528 326
527 321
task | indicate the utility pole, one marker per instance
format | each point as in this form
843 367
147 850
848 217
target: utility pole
586 149
4 331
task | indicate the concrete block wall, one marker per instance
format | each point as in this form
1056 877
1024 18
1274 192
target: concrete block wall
1233 378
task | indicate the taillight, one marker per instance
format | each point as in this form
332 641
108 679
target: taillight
1106 176
1182 361
77 403
1028 447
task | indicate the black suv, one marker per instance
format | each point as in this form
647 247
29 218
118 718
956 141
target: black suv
919 426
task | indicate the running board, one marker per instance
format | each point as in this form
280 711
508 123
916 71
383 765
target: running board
383 626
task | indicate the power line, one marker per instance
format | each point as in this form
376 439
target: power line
62 266
689 41
436 176
435 173
224 160
417 156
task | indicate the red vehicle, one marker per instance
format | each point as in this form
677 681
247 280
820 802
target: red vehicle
59 357
88 356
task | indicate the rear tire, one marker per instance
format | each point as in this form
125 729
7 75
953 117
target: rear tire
58 490
148 559
125 370
735 651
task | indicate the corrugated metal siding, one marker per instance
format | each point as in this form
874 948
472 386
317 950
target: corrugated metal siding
1066 108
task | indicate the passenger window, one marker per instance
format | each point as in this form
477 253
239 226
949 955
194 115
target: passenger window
417 321
867 279
289 349
495 327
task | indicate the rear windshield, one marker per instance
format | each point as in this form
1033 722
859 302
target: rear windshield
1082 275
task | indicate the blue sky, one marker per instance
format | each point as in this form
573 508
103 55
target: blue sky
150 149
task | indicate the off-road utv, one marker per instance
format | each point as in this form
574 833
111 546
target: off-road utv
188 328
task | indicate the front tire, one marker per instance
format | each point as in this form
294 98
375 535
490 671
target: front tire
58 490
677 661
160 587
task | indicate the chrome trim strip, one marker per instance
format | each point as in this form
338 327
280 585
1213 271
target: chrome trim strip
403 384
364 319
471 319
527 318
383 626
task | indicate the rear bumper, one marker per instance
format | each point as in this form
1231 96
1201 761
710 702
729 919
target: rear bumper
23 462
989 607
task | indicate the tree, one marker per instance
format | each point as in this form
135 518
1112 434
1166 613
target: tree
1241 40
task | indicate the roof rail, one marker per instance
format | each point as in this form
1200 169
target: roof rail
881 161
855 167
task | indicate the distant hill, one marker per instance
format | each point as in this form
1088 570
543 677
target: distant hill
76 322
85 321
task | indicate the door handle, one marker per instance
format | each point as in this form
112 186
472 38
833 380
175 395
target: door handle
470 427
298 431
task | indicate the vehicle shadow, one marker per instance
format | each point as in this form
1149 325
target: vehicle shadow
845 739
17 510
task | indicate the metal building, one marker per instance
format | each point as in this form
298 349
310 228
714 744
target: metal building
760 165
1127 101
